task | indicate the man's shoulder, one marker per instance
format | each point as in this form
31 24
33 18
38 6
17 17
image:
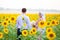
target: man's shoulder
27 16
19 16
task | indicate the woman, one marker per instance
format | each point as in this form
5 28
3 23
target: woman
41 17
35 24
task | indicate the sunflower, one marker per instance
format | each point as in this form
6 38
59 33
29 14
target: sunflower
6 30
48 24
7 19
41 24
48 30
57 22
13 19
51 35
33 30
5 23
1 35
24 32
53 22
31 33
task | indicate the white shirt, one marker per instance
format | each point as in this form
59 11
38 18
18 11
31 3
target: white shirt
20 21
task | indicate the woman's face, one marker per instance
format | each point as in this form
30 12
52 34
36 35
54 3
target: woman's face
40 15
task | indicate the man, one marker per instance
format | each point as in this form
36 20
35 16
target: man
22 21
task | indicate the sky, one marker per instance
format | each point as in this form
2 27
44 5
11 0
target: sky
30 4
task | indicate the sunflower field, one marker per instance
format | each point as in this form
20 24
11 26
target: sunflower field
51 27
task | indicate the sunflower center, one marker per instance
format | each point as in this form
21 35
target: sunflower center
33 30
24 32
6 19
0 34
48 23
57 22
42 23
6 30
51 35
12 18
53 22
49 30
5 23
0 22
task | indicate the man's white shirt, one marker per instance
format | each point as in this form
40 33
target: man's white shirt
20 22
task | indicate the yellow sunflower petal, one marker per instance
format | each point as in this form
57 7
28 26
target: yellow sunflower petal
48 30
51 35
1 35
6 30
33 30
13 19
5 23
24 32
48 24
42 24
53 22
31 33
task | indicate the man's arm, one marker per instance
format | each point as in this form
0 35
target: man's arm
28 23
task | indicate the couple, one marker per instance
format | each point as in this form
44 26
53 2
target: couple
24 20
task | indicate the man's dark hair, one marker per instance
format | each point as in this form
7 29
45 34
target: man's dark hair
23 10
